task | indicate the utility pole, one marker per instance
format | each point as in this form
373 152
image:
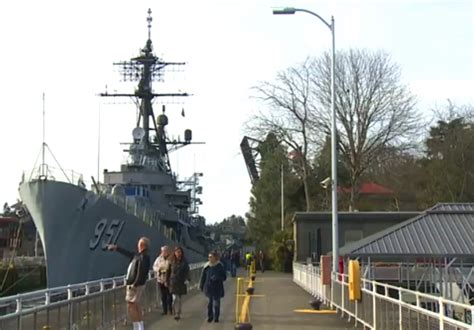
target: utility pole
282 200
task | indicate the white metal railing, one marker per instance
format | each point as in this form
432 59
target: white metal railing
43 307
46 172
141 210
385 306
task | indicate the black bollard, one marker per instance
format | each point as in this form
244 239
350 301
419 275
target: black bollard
316 303
243 326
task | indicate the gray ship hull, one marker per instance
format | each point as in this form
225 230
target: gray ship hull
75 225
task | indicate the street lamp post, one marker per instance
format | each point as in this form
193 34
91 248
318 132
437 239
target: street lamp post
335 232
282 199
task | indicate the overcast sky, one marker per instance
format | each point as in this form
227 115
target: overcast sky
66 49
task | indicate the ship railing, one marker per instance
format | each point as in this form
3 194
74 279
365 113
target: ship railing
96 304
145 213
46 172
148 215
384 306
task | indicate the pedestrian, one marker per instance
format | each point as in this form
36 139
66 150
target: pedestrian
137 275
234 262
225 259
261 260
178 277
248 260
212 284
161 266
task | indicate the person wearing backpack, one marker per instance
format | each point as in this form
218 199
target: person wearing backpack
135 280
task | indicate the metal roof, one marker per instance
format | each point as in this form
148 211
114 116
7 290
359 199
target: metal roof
354 216
457 207
445 230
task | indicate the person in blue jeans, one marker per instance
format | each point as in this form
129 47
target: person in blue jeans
212 284
234 262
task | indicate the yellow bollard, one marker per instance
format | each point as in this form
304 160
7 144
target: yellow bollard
254 267
237 296
354 280
242 316
46 327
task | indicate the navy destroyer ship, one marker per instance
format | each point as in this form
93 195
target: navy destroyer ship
143 198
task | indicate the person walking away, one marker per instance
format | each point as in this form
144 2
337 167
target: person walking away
161 267
225 259
178 276
137 275
248 260
234 261
261 260
212 284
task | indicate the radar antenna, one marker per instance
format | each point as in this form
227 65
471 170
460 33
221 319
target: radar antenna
147 68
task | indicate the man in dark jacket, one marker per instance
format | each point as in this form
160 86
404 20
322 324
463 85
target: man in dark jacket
234 263
212 283
137 275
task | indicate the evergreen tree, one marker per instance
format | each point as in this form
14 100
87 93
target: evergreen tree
449 159
264 218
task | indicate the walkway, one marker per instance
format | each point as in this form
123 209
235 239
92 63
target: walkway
195 313
274 310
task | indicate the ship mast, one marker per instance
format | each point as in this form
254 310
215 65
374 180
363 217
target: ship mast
43 171
145 69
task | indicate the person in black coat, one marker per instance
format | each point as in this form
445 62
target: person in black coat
212 284
178 275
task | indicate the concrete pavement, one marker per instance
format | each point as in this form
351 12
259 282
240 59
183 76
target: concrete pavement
276 310
194 315
273 308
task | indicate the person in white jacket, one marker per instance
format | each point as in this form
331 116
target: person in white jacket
161 267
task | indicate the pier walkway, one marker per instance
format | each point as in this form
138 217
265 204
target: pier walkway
273 307
279 302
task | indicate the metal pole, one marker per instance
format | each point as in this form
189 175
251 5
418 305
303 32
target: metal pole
98 148
36 242
282 201
335 232
194 189
42 168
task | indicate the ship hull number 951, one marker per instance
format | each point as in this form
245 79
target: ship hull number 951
106 231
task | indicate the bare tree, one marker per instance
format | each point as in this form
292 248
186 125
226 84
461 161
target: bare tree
289 105
374 109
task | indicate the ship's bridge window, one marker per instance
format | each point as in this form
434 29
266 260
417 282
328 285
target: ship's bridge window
137 191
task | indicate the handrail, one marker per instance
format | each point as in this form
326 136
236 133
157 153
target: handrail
42 299
37 293
309 278
55 174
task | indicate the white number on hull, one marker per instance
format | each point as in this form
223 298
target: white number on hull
107 231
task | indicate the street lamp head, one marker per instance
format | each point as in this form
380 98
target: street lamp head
284 11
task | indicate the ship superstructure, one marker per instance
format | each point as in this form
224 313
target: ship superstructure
143 198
